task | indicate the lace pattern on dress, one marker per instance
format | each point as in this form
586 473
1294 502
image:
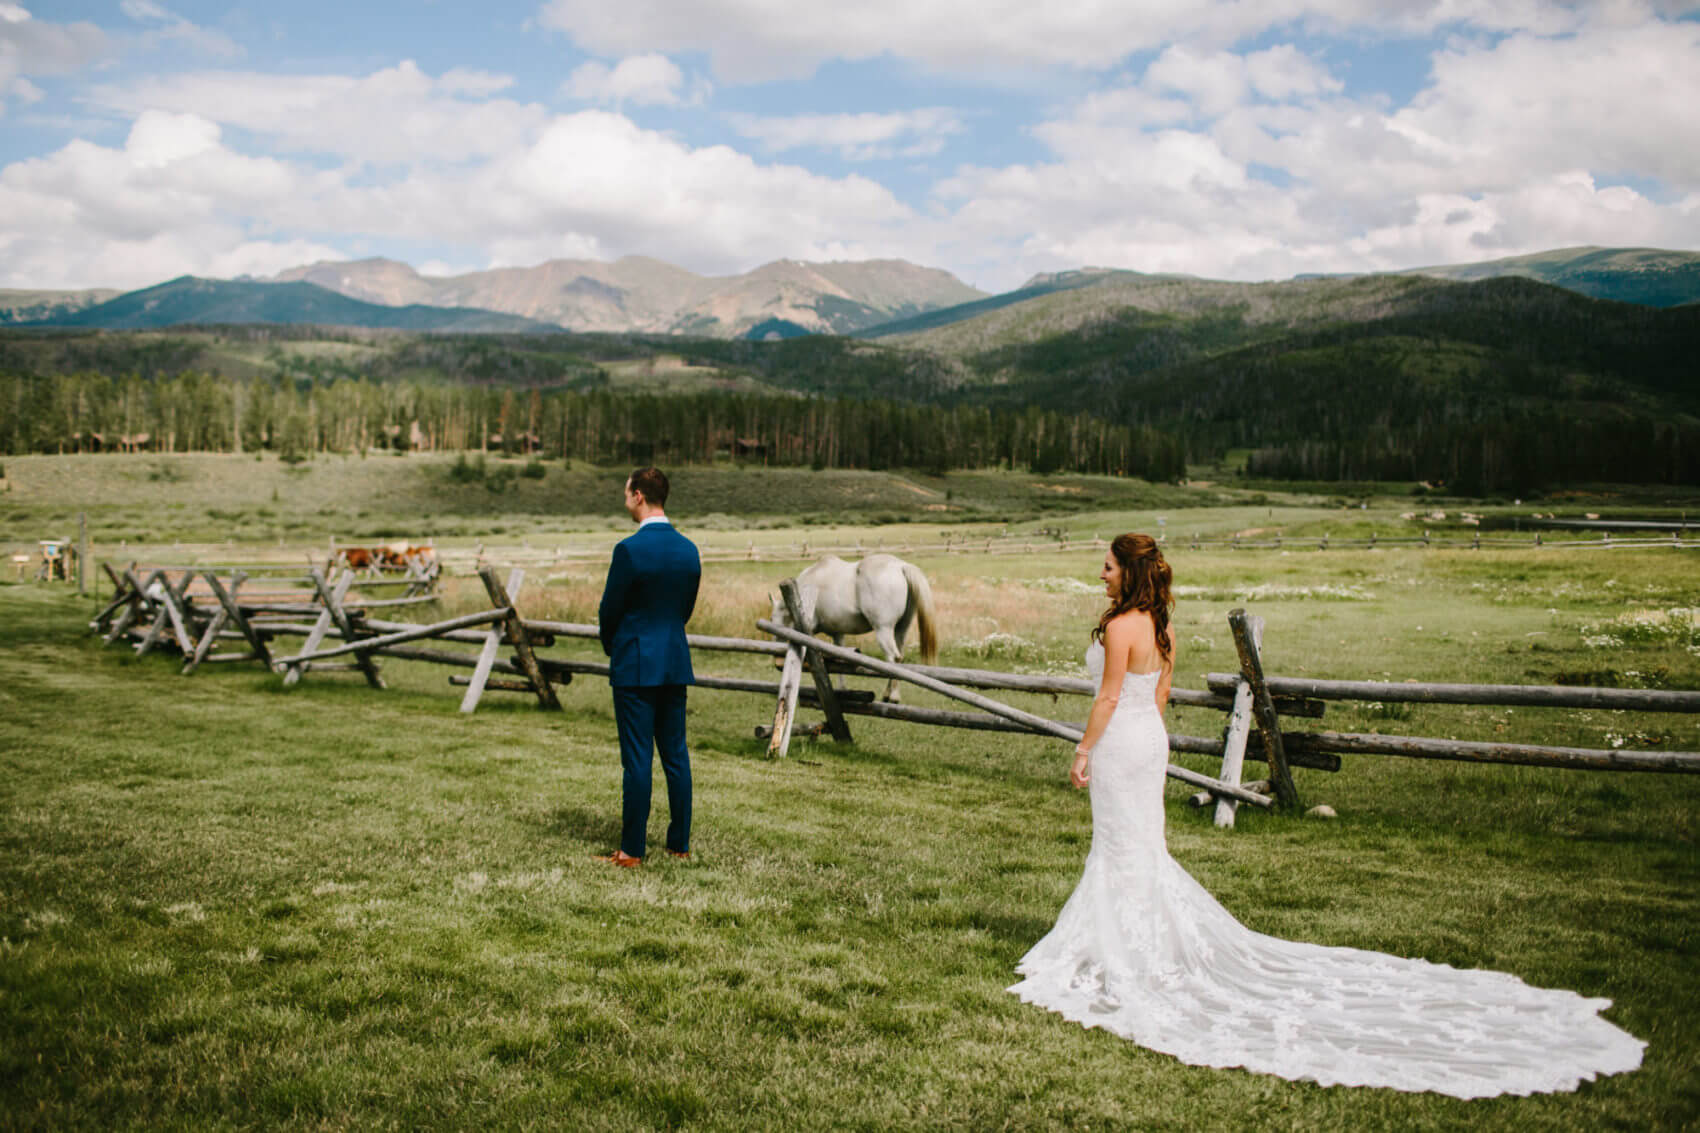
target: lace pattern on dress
1143 951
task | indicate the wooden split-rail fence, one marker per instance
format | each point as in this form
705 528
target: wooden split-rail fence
1254 703
195 610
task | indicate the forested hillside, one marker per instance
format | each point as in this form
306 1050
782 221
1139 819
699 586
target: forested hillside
1655 277
550 396
189 299
1504 385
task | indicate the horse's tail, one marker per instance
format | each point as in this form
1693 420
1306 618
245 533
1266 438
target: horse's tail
922 594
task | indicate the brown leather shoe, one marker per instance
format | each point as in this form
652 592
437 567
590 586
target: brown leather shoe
621 859
682 855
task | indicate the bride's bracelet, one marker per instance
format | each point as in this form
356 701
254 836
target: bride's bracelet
1083 751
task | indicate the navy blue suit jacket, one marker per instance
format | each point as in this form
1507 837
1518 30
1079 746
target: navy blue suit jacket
649 596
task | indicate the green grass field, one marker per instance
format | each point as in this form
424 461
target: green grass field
144 502
151 500
226 904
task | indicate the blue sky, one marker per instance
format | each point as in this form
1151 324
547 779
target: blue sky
142 139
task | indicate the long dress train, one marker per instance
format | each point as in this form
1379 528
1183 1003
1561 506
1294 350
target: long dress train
1143 951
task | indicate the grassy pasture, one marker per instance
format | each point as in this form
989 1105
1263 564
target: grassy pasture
154 499
141 503
224 903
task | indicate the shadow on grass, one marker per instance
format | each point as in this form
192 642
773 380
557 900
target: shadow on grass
585 825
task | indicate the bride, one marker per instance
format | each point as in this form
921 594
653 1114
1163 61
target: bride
1141 949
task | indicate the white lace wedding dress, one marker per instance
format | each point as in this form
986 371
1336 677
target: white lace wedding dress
1143 951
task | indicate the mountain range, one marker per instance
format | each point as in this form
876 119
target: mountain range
1651 277
884 299
1502 384
637 294
191 300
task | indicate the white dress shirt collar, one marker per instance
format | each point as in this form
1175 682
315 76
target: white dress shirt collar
654 519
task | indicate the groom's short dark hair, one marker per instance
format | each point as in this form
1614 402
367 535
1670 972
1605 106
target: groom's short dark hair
652 482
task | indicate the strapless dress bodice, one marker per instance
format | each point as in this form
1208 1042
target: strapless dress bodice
1139 690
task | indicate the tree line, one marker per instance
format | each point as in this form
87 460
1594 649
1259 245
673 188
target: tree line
192 411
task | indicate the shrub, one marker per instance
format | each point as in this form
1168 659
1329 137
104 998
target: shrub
534 469
464 471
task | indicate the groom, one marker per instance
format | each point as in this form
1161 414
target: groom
651 591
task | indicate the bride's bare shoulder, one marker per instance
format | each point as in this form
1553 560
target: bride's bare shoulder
1133 626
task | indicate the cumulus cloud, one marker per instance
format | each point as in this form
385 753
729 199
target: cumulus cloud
597 175
854 137
642 80
1258 166
397 114
1212 83
172 200
1616 99
177 198
1205 157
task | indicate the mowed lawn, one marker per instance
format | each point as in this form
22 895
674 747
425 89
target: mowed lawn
226 904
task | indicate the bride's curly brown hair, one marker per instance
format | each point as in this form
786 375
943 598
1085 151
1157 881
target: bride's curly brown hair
1146 580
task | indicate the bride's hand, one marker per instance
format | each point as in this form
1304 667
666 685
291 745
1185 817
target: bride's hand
1080 774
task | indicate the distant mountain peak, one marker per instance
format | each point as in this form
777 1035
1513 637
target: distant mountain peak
642 294
1651 277
190 299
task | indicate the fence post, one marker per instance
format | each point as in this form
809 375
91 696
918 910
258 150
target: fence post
1248 642
502 597
785 708
321 626
228 601
835 721
172 601
1233 742
368 667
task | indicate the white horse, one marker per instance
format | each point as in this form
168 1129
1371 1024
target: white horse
881 594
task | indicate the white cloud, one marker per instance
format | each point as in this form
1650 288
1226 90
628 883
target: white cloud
1564 210
24 91
471 82
1575 126
1517 145
167 25
1284 72
173 200
159 139
29 46
855 137
642 80
1614 99
598 176
754 40
177 198
398 114
1216 82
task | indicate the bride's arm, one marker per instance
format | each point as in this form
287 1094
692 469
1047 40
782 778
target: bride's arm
1118 640
1167 679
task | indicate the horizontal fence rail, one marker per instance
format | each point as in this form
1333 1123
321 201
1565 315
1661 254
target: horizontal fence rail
1427 692
200 612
